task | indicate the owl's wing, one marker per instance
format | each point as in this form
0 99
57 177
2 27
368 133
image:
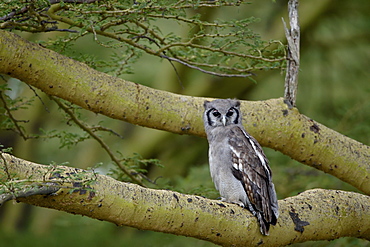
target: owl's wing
250 167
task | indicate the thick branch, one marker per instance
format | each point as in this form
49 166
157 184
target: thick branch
312 215
272 122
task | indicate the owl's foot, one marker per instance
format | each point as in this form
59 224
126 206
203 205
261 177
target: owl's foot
241 204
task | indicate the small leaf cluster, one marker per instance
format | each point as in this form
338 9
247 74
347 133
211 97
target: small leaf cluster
135 163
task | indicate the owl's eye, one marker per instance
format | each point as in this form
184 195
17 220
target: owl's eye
216 113
229 113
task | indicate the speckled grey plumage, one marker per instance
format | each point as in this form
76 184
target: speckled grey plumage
238 166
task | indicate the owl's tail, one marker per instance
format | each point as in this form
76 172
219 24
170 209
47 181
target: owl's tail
264 225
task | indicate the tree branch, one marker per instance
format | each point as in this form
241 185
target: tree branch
301 217
272 122
42 189
293 38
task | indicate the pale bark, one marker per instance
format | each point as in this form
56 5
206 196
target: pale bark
272 122
293 37
313 215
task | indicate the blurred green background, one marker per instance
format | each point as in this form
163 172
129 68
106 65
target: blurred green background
334 89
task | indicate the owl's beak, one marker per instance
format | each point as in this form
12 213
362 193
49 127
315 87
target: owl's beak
224 120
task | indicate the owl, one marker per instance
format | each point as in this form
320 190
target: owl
238 165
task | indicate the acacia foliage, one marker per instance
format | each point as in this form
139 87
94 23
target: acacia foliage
228 48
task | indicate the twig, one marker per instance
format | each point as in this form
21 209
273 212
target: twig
206 71
170 59
15 121
38 96
225 52
101 128
90 132
73 1
14 13
293 37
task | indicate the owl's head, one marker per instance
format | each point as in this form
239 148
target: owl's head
221 112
